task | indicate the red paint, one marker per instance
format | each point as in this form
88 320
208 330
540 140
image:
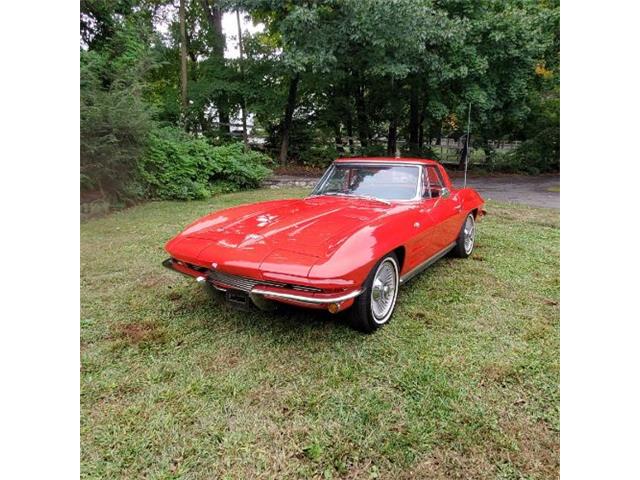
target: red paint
328 242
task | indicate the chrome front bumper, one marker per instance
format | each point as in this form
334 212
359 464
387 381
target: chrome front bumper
306 299
268 290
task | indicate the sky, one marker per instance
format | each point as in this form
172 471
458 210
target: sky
230 29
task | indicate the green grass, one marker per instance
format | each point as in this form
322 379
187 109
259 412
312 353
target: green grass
463 383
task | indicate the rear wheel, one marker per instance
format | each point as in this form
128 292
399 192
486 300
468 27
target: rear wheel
466 238
375 305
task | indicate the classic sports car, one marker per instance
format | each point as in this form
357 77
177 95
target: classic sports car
369 226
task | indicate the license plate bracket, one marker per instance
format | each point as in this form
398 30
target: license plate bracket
238 299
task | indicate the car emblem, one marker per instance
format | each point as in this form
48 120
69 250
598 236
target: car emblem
214 265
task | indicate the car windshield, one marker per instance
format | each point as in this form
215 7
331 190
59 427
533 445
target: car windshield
384 182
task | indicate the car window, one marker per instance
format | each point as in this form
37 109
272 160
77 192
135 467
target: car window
432 182
387 182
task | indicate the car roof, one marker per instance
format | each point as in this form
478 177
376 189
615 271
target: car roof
425 161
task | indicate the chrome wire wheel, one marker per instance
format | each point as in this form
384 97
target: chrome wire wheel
469 234
384 290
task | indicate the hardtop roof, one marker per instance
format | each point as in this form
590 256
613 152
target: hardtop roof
425 161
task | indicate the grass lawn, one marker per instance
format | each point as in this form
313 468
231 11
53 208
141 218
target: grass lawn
463 383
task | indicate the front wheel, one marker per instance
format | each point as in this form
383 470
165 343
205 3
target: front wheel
375 305
466 238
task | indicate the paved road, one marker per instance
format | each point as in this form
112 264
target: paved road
539 191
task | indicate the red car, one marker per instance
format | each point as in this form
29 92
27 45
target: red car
369 226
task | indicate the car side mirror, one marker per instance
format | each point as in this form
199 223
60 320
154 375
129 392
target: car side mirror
445 193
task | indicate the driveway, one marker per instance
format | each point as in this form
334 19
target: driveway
538 191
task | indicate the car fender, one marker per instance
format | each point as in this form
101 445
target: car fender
355 255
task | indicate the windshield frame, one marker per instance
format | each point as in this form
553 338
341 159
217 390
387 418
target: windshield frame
325 177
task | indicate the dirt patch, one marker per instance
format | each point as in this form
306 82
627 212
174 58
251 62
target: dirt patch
150 281
222 361
136 333
499 373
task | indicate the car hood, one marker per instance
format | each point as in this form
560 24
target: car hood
269 234
303 225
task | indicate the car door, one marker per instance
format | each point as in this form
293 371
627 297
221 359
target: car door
427 221
442 208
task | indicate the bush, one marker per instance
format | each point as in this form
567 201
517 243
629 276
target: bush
179 166
541 153
114 128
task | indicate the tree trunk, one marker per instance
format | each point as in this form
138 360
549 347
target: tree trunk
183 59
349 126
245 136
392 138
214 17
423 113
288 118
361 115
414 120
337 132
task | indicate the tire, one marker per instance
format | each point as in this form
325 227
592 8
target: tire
374 307
466 238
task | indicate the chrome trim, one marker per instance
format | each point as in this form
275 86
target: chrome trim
400 161
428 262
247 283
301 298
322 180
420 165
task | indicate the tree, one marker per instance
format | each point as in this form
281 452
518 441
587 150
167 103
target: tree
115 117
183 58
388 76
213 13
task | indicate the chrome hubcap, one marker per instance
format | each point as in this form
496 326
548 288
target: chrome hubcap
384 290
469 234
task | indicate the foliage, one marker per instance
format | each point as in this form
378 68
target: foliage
370 76
115 118
179 166
463 383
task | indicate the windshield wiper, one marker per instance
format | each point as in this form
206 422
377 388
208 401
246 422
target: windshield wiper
369 197
354 195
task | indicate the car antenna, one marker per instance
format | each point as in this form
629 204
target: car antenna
466 151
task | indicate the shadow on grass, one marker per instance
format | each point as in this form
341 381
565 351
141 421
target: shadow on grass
284 325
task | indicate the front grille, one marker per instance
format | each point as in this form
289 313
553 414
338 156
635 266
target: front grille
241 283
246 284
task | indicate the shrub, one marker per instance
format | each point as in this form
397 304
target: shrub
540 153
115 116
114 128
537 155
179 166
